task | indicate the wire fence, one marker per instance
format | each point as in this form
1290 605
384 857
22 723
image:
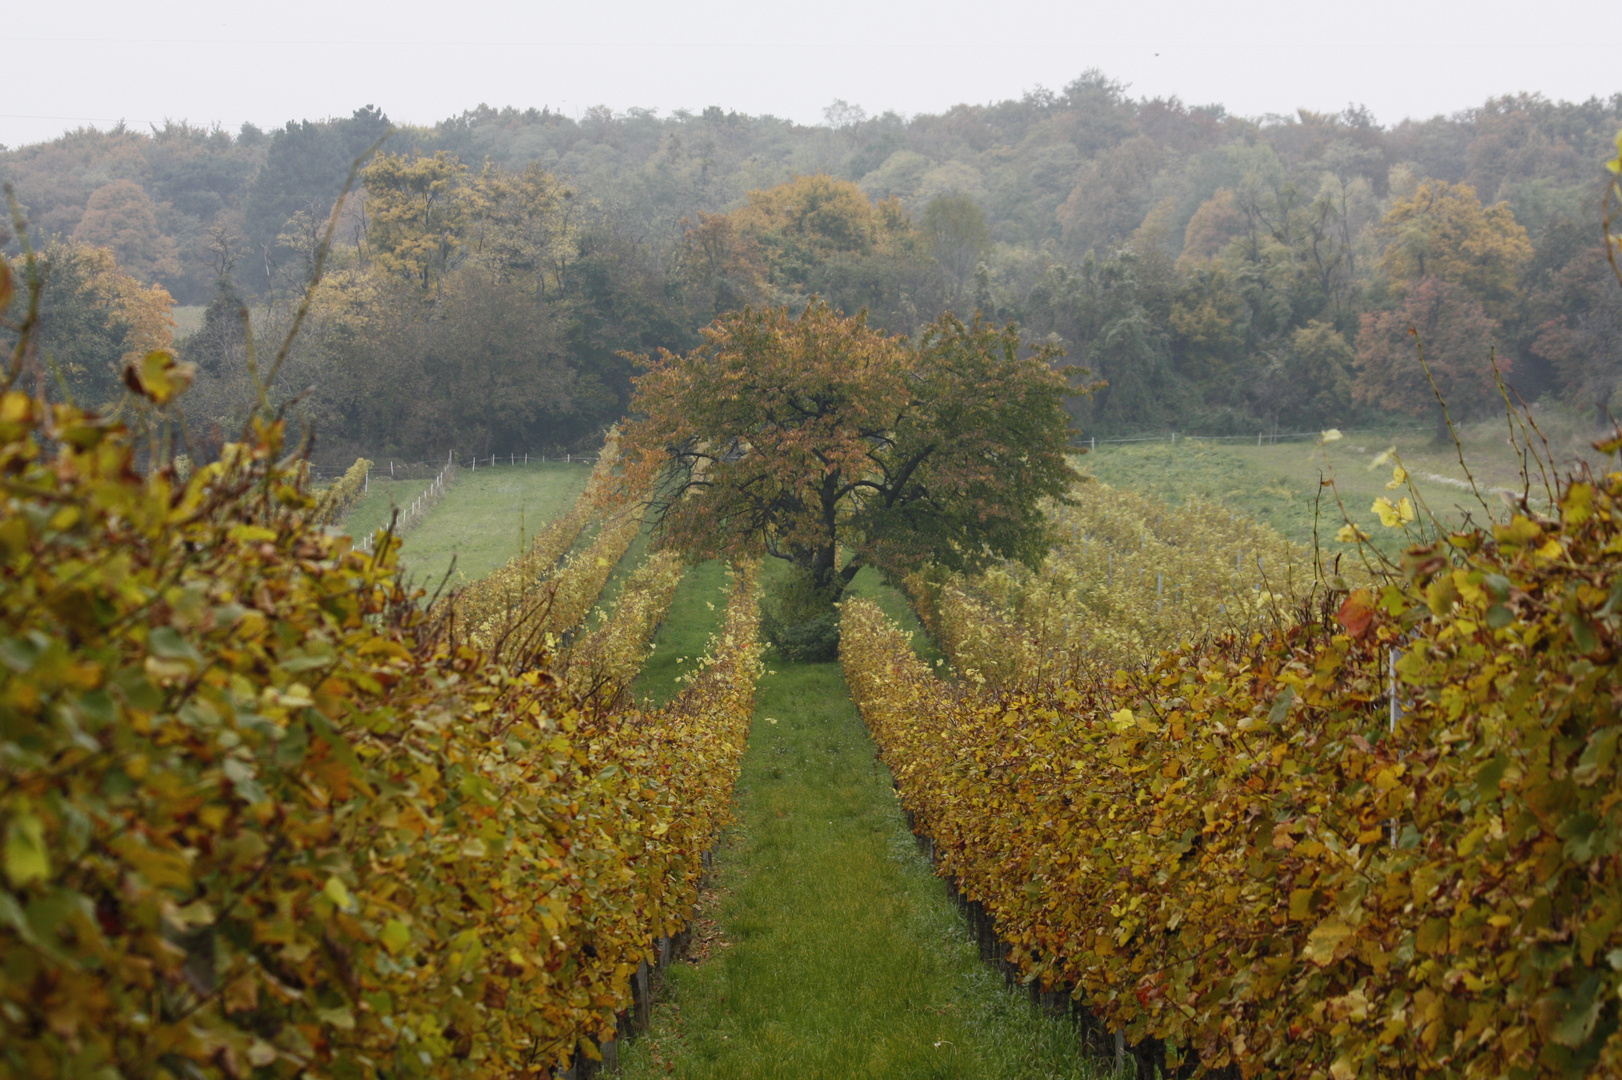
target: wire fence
411 515
384 467
440 476
496 461
1261 438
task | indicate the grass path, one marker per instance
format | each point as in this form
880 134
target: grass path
696 612
834 951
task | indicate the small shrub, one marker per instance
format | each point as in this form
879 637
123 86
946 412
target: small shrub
800 619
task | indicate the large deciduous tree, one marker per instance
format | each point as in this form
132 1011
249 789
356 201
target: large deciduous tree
833 446
418 207
1459 340
958 236
813 236
120 217
1443 231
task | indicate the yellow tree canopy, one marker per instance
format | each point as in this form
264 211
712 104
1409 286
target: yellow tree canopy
804 223
121 216
1443 231
416 208
428 215
148 310
525 226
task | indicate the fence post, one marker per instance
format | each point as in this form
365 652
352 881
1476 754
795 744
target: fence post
1396 712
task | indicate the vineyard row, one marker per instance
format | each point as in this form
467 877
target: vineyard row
1380 836
264 815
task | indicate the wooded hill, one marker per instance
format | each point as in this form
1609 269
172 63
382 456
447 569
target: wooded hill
1222 273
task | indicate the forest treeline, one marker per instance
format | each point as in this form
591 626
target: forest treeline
1221 273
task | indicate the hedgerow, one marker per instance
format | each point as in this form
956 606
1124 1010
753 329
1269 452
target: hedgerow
1382 838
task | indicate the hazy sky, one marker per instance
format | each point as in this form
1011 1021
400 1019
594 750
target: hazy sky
76 62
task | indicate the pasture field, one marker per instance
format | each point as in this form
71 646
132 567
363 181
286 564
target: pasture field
188 320
487 517
1277 484
373 509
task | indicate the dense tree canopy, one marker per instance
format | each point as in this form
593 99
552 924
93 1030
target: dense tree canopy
1214 268
120 217
1442 231
834 446
94 320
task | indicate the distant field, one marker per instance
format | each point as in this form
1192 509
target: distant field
188 320
486 518
375 508
1279 484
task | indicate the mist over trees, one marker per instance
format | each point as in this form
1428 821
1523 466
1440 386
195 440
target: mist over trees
1222 273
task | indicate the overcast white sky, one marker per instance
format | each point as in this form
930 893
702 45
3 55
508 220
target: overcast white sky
97 61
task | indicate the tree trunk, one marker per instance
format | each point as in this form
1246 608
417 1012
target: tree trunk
1443 436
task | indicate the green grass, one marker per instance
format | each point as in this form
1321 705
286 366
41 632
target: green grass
487 517
1277 485
188 320
696 612
697 609
1441 480
1263 490
842 955
374 509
